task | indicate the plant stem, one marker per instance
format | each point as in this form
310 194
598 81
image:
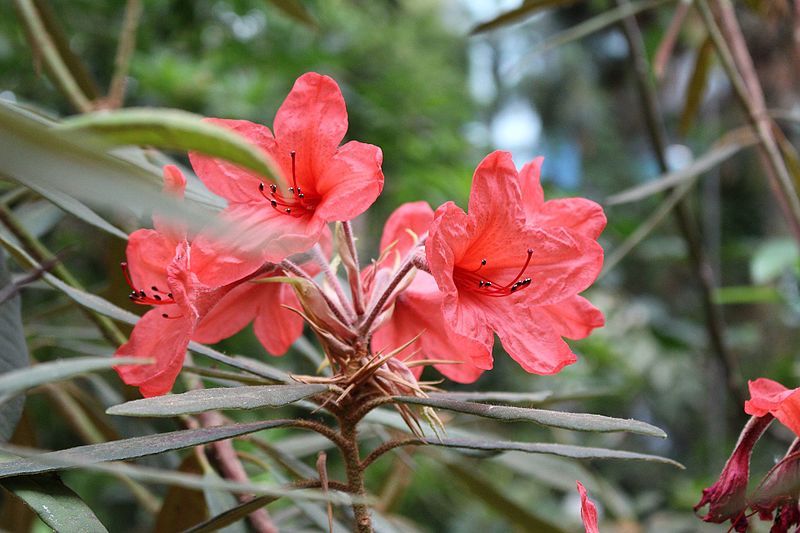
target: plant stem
355 278
125 48
333 281
699 261
355 474
376 309
289 266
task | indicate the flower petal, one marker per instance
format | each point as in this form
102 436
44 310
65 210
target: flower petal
579 214
417 311
350 182
588 511
311 121
495 200
574 318
528 339
531 185
148 254
275 326
410 218
163 339
767 396
229 316
233 183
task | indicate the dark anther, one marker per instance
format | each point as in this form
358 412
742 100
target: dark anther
164 315
169 295
300 195
157 297
261 187
154 288
487 284
483 262
530 251
291 190
288 210
481 283
143 294
273 203
273 188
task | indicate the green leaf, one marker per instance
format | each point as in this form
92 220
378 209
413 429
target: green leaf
132 448
558 419
174 130
219 501
14 355
16 381
232 515
520 14
697 86
772 259
530 398
198 401
55 504
75 207
563 450
33 151
297 11
746 294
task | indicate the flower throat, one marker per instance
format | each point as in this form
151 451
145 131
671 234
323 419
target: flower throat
473 281
297 203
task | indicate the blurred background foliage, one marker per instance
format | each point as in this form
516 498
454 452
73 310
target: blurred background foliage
436 100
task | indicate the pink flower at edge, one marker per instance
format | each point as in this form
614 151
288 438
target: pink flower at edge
588 510
499 271
767 396
417 309
726 499
183 282
326 182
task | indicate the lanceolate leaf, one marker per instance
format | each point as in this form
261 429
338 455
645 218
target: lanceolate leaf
14 354
558 419
197 401
120 450
175 130
55 504
19 380
563 450
526 10
697 85
232 515
296 10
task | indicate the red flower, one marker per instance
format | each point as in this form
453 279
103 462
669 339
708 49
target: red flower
183 282
767 396
588 510
726 498
267 304
417 309
500 272
326 182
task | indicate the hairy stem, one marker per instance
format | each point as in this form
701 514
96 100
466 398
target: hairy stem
387 447
355 474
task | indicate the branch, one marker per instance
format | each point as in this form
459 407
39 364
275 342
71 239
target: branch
125 49
389 446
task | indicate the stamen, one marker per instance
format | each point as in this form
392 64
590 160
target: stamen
140 296
297 203
470 280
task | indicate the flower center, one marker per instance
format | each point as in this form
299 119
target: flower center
474 281
142 297
297 203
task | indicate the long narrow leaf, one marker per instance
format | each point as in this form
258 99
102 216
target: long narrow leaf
563 450
520 14
54 503
130 448
558 419
17 381
198 401
232 515
174 130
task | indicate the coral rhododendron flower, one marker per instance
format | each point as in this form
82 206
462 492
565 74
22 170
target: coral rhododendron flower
269 305
726 499
588 510
417 312
324 181
767 396
183 282
498 271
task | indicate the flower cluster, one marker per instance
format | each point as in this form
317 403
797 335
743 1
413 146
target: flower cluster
776 496
444 282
